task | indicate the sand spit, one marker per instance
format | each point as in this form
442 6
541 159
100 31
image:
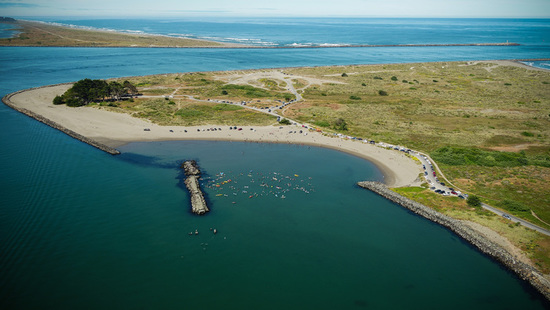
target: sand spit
111 129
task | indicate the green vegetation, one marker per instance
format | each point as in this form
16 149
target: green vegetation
186 113
340 124
456 156
247 91
322 123
513 206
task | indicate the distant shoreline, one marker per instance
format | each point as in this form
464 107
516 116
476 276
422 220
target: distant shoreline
236 46
66 36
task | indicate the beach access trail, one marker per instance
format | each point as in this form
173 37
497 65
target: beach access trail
116 129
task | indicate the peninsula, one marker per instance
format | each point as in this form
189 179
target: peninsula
32 33
485 125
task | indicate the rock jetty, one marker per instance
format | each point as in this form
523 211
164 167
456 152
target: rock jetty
192 171
7 101
365 45
524 271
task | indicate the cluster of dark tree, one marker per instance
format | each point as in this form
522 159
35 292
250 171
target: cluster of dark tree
474 201
284 121
86 91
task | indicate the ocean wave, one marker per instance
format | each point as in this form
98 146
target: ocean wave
79 26
182 35
537 64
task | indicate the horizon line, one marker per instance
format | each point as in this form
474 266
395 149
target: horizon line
271 16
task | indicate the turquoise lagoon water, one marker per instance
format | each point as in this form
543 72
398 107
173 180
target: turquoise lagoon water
83 229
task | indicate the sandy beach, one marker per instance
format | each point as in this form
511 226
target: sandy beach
116 129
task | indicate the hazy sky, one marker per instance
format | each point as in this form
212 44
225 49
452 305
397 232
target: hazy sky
367 8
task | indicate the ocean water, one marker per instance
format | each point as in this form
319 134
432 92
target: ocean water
333 31
83 229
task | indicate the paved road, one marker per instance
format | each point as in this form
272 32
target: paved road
516 220
435 182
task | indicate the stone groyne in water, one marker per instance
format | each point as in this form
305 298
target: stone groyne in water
192 171
7 101
524 271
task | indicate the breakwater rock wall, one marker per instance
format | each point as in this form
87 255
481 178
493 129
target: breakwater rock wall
365 45
192 171
524 271
7 101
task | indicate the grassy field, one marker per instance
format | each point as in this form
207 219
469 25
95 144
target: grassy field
191 113
487 124
180 110
41 34
432 105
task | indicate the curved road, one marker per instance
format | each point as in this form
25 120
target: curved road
435 182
